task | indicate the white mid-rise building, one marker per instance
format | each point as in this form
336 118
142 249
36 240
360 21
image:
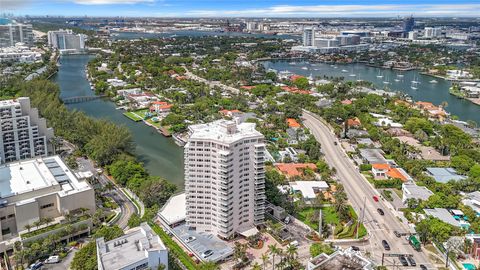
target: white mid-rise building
12 33
225 178
309 37
66 40
39 188
140 248
23 134
431 32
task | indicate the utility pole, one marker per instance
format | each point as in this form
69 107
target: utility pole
360 220
320 222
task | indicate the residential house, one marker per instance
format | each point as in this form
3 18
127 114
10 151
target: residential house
452 217
412 191
384 171
372 156
475 249
308 189
472 199
292 123
443 175
160 107
340 259
354 122
294 169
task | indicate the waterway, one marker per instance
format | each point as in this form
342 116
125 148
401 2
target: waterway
161 156
392 80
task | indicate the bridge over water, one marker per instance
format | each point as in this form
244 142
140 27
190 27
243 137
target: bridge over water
80 99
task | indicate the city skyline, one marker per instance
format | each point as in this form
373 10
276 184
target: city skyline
271 8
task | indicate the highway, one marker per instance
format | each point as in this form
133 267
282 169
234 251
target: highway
359 191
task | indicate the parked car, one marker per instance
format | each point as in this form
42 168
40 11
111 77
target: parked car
397 234
207 253
52 259
411 261
294 243
287 220
190 239
35 266
385 245
403 261
380 211
355 248
423 267
375 198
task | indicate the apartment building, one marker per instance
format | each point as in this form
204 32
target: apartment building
140 248
38 188
66 40
225 178
13 33
23 134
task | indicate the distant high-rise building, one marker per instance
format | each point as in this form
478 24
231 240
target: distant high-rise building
408 24
431 32
308 37
66 40
251 26
345 40
23 134
10 34
225 178
412 35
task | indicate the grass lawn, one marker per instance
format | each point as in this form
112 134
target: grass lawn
155 124
329 216
133 116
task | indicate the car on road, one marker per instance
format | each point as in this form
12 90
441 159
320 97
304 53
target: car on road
385 245
423 267
403 261
375 198
411 261
355 248
380 211
207 253
190 239
397 234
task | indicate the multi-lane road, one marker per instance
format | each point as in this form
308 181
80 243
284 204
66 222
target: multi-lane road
361 193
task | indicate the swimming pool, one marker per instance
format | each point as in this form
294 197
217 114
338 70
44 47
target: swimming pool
469 266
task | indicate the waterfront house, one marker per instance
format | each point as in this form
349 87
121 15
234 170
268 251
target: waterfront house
443 175
453 217
472 199
160 107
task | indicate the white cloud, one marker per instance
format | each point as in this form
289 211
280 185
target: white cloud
347 11
110 2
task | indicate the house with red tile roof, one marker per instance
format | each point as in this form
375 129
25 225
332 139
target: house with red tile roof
160 107
247 87
294 169
354 122
296 77
229 113
382 171
292 123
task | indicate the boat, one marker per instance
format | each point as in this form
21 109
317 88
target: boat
335 67
400 75
316 69
292 63
413 87
344 70
305 68
433 81
397 80
385 82
380 75
353 75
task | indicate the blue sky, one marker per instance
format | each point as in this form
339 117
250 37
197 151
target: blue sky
243 8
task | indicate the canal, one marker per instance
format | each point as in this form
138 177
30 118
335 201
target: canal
387 79
161 156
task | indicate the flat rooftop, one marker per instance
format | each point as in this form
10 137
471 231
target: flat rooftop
129 248
175 209
36 174
203 241
225 131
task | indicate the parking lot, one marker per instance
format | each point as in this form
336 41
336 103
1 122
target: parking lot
203 242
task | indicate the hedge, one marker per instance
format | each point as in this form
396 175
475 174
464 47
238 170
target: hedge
174 248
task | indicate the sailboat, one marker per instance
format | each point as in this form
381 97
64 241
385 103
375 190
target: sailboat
433 81
400 75
414 83
352 74
386 81
344 70
379 75
305 68
415 80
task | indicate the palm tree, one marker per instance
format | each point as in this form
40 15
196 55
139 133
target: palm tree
37 223
256 266
264 260
28 227
292 253
273 249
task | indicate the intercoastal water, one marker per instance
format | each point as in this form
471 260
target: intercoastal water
392 80
161 156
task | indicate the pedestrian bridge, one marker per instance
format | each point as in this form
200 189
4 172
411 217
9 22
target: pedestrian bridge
80 99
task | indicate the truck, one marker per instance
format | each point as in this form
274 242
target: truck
414 242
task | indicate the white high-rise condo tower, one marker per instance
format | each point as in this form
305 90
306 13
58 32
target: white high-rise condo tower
225 177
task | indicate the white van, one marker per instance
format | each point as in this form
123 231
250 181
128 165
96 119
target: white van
52 259
294 243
